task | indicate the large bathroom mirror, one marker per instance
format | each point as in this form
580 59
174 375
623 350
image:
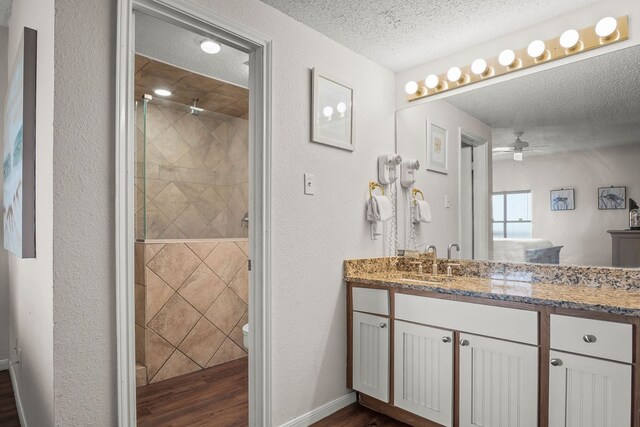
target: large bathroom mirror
541 168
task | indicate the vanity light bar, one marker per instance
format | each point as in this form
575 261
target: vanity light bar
607 31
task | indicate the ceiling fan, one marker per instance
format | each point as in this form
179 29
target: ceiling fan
518 147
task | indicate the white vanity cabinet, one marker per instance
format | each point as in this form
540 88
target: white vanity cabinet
423 371
585 389
370 340
498 382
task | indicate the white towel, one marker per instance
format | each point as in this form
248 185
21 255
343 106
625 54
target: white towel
422 211
379 208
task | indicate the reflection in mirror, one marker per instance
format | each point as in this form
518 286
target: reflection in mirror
551 170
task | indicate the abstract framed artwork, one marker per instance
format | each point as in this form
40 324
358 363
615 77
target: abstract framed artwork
563 200
332 114
436 148
612 198
19 159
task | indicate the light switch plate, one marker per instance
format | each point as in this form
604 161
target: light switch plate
309 184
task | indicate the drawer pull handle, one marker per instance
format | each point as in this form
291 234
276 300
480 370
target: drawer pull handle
464 343
383 325
555 362
589 338
446 339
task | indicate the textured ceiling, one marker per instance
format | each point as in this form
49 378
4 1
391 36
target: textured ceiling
585 104
185 86
5 12
171 44
400 34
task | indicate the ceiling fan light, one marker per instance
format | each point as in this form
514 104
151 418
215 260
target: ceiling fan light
517 156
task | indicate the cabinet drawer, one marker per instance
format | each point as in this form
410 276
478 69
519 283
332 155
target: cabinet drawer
499 322
599 338
371 300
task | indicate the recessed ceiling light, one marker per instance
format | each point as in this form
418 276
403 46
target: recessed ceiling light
162 92
209 46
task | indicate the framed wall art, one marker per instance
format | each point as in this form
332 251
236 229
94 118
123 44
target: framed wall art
332 111
19 159
563 200
612 198
437 137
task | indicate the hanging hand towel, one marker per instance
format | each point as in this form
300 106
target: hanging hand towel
422 211
379 208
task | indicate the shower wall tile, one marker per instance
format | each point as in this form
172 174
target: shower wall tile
199 161
194 298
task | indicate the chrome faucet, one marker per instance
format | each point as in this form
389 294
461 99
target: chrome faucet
451 246
434 266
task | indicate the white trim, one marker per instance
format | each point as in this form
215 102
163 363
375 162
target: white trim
201 21
322 412
16 394
4 364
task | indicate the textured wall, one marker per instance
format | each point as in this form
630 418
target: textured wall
197 173
83 213
30 280
191 304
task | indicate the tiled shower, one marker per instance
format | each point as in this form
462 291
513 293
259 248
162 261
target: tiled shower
191 253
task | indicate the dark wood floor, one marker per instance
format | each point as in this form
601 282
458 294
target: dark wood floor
356 415
218 397
8 411
215 396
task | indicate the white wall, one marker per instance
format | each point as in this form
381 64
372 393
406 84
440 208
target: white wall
581 18
4 257
411 135
312 235
31 286
583 231
83 214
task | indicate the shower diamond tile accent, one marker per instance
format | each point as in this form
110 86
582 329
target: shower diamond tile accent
202 288
226 311
209 204
202 249
191 129
178 364
225 260
190 222
174 321
202 342
200 324
157 294
171 201
174 263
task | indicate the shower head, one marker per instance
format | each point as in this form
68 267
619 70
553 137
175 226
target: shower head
194 110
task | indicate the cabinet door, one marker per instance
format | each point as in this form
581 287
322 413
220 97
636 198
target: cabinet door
371 355
498 383
588 392
423 371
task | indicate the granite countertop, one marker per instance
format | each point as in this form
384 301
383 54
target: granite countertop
578 296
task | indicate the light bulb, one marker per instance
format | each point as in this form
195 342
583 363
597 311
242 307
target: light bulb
517 156
606 27
327 111
209 46
162 92
507 57
569 39
411 87
432 81
454 74
536 49
479 66
341 107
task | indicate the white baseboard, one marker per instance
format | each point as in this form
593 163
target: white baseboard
323 411
16 393
4 364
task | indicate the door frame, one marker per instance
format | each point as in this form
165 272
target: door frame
207 23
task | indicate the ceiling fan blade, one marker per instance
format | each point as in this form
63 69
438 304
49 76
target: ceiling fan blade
503 149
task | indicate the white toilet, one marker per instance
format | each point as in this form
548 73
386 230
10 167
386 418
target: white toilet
245 336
